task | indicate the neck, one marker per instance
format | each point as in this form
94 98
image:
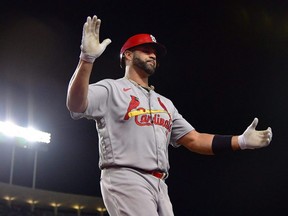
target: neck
140 78
148 88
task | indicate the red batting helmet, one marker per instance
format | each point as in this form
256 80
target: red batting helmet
140 39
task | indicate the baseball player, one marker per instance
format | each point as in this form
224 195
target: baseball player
135 125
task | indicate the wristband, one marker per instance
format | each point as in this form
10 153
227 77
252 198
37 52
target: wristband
222 144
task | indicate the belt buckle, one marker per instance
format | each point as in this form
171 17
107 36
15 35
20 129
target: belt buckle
163 175
158 174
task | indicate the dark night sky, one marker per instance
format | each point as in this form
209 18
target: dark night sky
226 64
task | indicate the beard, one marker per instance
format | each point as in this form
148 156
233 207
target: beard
144 65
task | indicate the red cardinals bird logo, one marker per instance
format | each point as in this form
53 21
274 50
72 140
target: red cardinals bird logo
134 103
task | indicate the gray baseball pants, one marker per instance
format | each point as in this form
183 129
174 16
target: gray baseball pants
129 192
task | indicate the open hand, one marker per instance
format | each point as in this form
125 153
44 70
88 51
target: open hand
91 48
252 138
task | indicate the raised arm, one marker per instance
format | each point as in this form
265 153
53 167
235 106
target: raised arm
91 49
210 144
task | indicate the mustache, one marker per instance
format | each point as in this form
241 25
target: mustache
152 60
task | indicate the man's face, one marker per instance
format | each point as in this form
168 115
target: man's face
144 57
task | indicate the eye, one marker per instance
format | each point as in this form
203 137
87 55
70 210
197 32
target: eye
148 50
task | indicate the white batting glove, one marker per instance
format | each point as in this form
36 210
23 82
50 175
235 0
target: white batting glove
253 139
91 48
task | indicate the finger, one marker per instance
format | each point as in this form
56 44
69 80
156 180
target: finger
90 24
268 140
254 123
106 42
85 26
97 27
267 132
94 23
88 20
94 18
267 137
270 133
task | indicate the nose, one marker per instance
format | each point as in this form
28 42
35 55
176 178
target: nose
152 55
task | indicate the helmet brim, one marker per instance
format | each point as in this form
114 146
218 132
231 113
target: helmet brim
161 50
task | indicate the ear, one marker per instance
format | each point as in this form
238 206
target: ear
128 54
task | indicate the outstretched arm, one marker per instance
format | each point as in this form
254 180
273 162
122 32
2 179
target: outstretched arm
210 144
91 49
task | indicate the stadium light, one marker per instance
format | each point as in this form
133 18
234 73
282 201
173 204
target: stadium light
9 200
29 134
55 206
78 208
32 204
101 210
31 138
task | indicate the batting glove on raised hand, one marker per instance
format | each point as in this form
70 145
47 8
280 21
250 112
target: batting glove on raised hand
253 139
91 48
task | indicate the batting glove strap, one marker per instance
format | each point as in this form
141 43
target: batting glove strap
242 142
87 58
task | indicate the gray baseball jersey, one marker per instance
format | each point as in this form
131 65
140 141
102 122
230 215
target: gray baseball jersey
135 126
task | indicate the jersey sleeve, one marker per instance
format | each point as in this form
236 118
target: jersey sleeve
97 101
180 127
